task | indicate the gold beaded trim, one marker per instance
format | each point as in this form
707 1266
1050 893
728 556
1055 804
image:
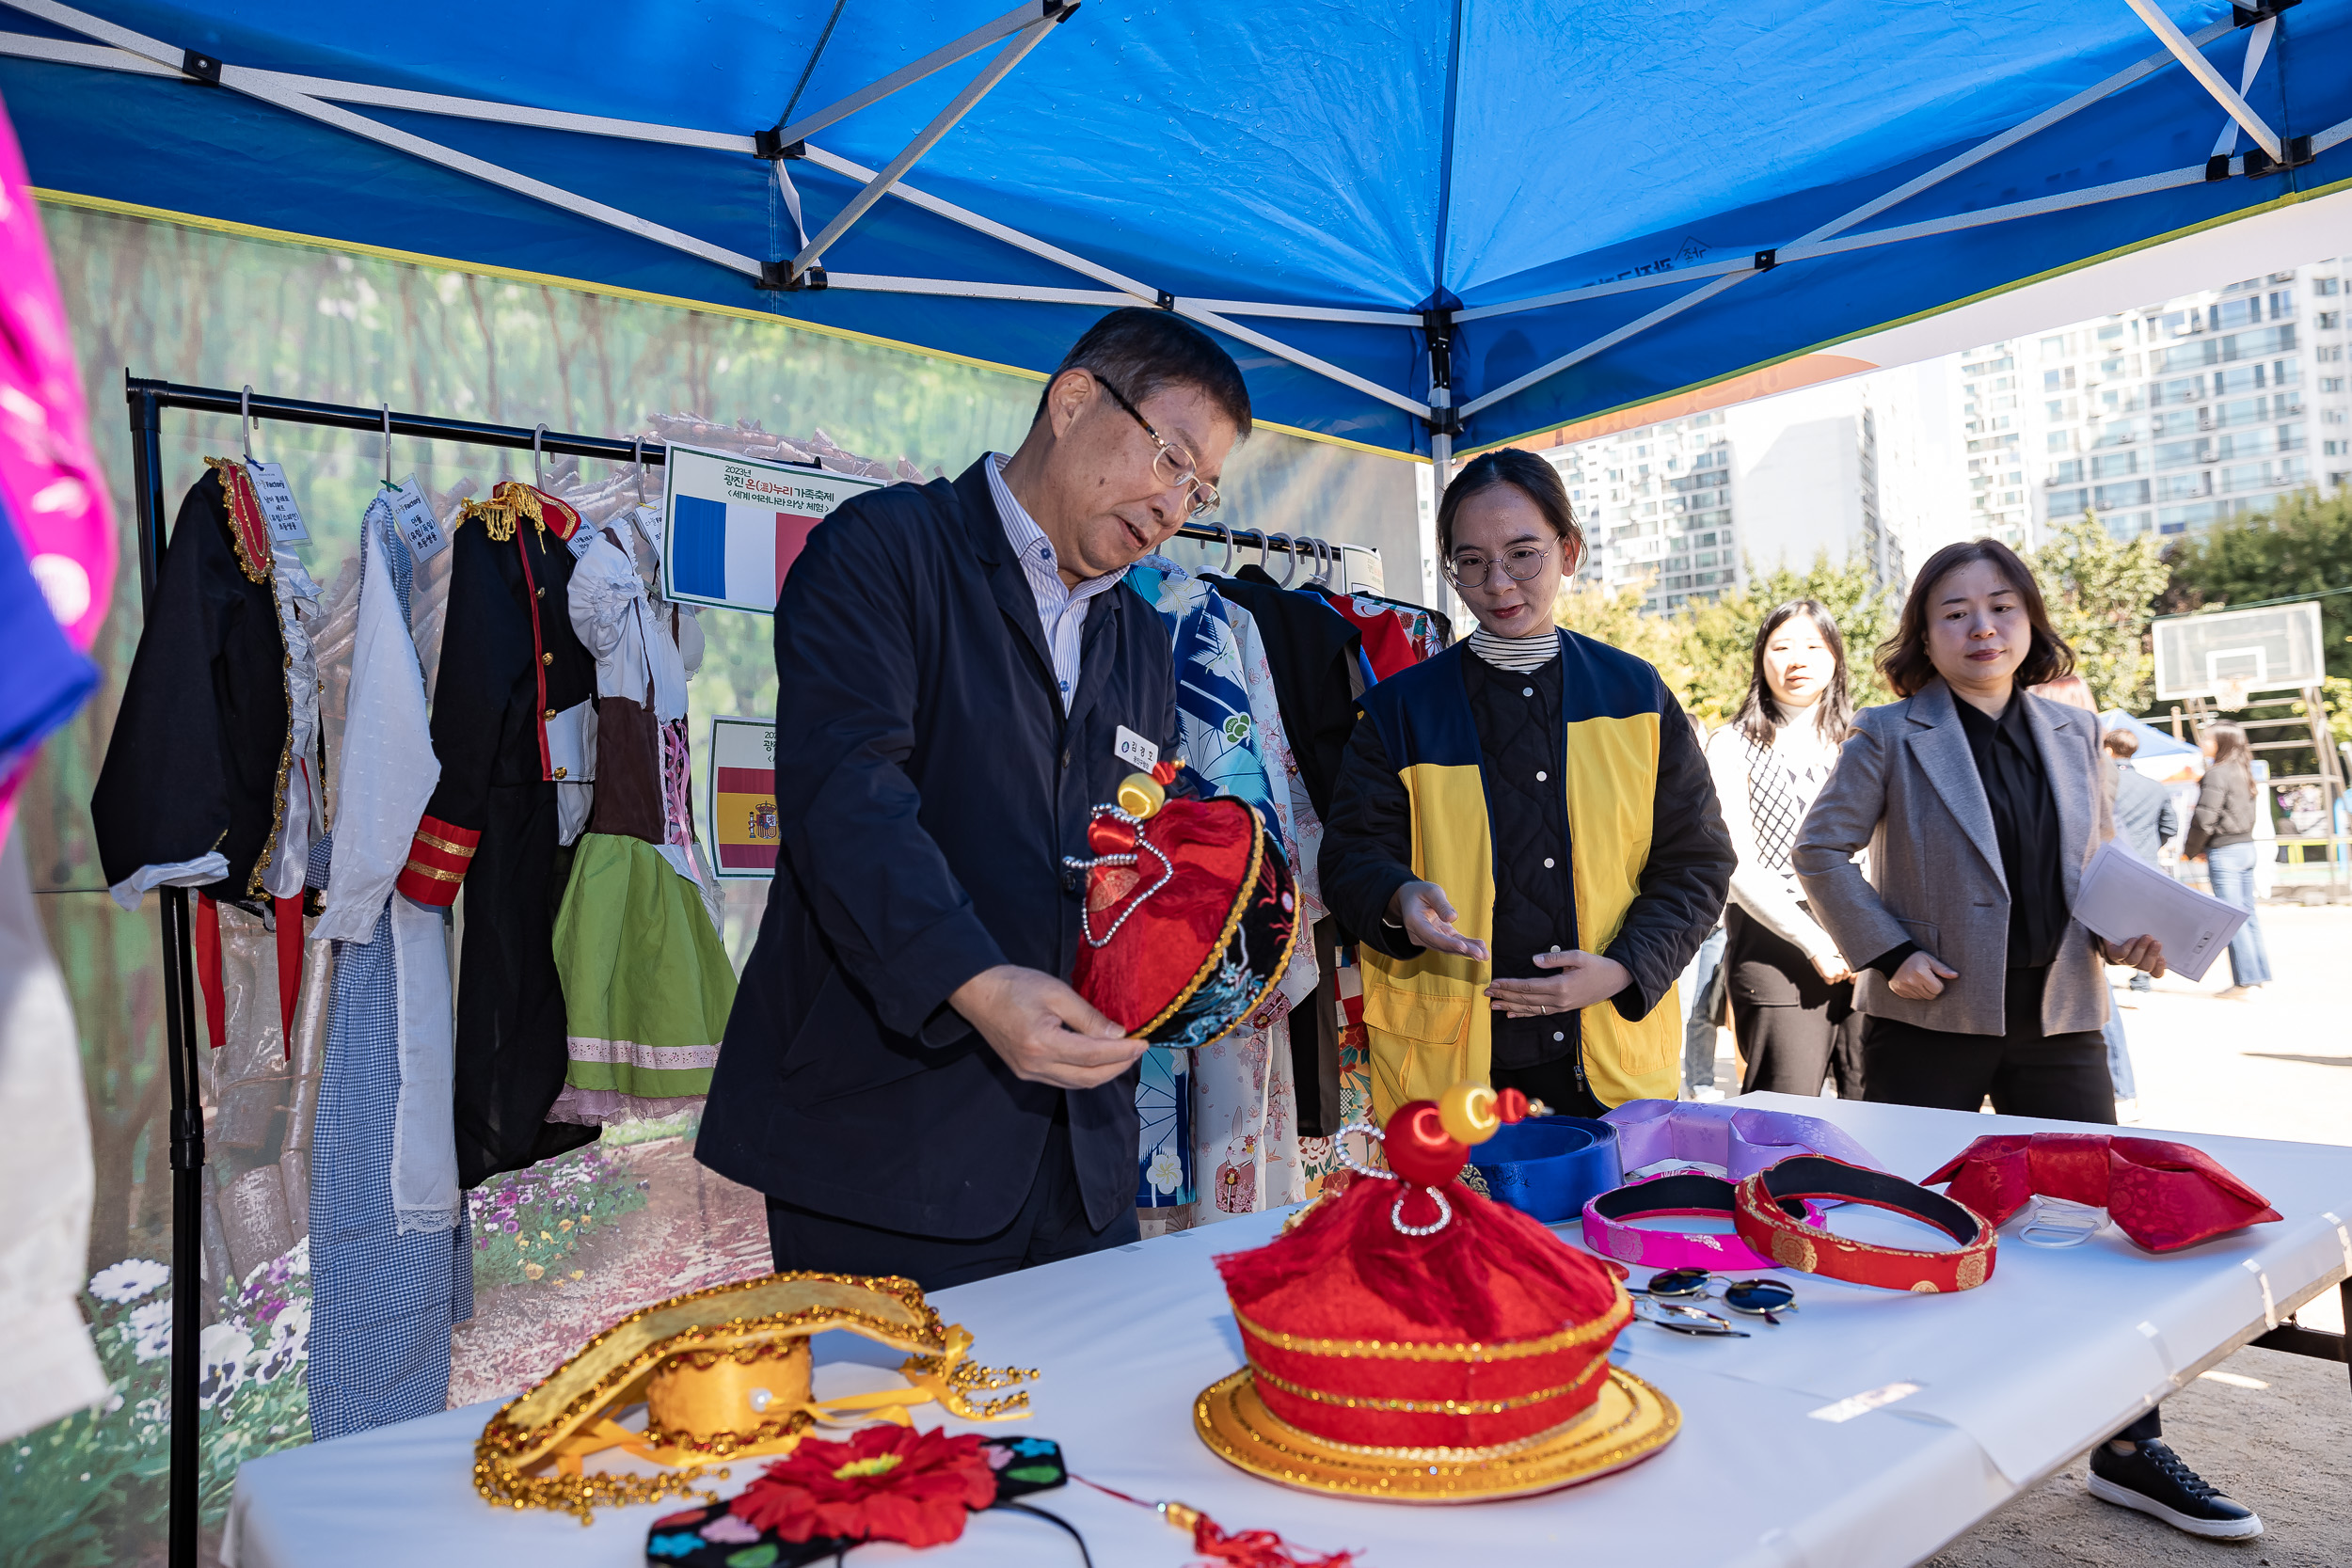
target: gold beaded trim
1432 1407
1620 1312
1432 1455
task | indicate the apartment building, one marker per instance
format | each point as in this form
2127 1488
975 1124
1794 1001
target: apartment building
1683 509
2162 419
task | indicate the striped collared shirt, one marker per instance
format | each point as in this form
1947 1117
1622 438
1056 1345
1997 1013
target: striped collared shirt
1060 608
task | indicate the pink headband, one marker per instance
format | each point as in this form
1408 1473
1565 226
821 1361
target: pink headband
1610 1230
1738 1142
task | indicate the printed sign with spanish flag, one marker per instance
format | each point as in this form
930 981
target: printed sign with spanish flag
743 827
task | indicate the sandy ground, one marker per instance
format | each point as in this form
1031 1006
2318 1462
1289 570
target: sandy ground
2273 1431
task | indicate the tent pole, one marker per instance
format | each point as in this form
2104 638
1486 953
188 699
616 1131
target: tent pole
2195 63
943 122
937 60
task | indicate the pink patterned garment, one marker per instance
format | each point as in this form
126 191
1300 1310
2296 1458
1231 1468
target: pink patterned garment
47 471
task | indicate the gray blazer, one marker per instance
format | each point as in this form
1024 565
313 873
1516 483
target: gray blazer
1906 786
2144 818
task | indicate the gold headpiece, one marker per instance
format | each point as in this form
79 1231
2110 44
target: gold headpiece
723 1374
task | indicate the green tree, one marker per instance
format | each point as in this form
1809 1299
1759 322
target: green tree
1616 619
2302 546
2102 594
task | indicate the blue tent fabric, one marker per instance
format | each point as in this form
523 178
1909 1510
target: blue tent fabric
1414 155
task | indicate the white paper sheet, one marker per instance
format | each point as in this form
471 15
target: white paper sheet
2123 897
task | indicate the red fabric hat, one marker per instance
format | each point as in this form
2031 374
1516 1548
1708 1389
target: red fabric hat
1489 1331
2164 1195
1190 918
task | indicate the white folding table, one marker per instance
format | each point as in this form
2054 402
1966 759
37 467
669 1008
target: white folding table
2013 1380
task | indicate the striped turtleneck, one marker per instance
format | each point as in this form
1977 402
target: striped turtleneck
1519 653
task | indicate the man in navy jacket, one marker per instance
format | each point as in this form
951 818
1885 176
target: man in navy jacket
906 1075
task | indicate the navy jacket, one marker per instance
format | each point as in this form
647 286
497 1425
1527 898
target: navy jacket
928 785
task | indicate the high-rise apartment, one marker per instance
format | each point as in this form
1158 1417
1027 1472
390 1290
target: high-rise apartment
1684 509
2162 419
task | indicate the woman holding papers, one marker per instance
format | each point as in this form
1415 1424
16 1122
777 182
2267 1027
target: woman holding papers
1986 803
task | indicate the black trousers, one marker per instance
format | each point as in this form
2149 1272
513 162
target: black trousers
1051 1226
2028 1073
1795 1029
1554 1082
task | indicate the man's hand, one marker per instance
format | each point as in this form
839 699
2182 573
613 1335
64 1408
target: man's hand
1045 1032
1920 978
1428 917
2142 953
1584 978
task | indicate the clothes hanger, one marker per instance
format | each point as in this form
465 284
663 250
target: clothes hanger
538 473
1227 530
639 449
244 421
387 445
1289 556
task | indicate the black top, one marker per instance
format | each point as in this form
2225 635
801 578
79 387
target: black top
1309 650
192 765
1517 715
2024 825
929 783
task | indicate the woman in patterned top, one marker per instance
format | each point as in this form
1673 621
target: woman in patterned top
1791 990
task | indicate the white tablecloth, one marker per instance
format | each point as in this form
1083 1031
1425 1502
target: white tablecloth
2058 1349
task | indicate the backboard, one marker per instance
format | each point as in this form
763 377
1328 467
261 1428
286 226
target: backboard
2238 651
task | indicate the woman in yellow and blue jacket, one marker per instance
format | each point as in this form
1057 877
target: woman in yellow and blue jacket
1524 837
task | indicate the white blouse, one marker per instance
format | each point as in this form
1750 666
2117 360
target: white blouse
1800 761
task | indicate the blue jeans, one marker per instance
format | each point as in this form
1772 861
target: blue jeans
2232 866
2120 1056
1702 996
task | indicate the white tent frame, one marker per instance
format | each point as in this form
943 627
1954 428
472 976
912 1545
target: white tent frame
118 48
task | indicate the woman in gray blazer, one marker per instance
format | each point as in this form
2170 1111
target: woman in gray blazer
1980 804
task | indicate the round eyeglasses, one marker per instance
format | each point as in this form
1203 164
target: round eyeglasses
1172 466
1519 562
1756 1298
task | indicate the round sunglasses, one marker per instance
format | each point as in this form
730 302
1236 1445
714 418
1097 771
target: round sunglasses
1754 1298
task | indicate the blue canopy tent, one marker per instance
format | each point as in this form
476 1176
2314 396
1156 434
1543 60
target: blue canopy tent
1423 226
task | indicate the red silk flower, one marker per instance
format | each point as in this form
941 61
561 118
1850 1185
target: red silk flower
885 1483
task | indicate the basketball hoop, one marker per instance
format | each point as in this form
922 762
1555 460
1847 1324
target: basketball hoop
2230 695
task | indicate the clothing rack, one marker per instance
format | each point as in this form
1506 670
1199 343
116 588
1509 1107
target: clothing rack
148 401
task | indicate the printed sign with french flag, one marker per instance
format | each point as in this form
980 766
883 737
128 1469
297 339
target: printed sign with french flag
737 524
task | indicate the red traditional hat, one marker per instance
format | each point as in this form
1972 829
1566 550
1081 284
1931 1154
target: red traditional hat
1190 918
1423 1343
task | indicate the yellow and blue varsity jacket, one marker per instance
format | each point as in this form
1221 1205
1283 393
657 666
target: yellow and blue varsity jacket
1647 852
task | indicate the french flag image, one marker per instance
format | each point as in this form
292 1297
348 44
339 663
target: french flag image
733 552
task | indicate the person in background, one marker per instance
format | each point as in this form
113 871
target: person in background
2075 693
1985 803
1701 988
2145 821
1523 837
2221 833
1791 990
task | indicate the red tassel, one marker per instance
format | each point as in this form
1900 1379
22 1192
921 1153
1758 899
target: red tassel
1255 1549
1251 1548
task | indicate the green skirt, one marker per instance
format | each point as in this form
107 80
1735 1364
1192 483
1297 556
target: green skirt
646 986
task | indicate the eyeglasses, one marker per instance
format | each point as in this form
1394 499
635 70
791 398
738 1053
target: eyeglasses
1520 563
1675 1318
1756 1298
1172 466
